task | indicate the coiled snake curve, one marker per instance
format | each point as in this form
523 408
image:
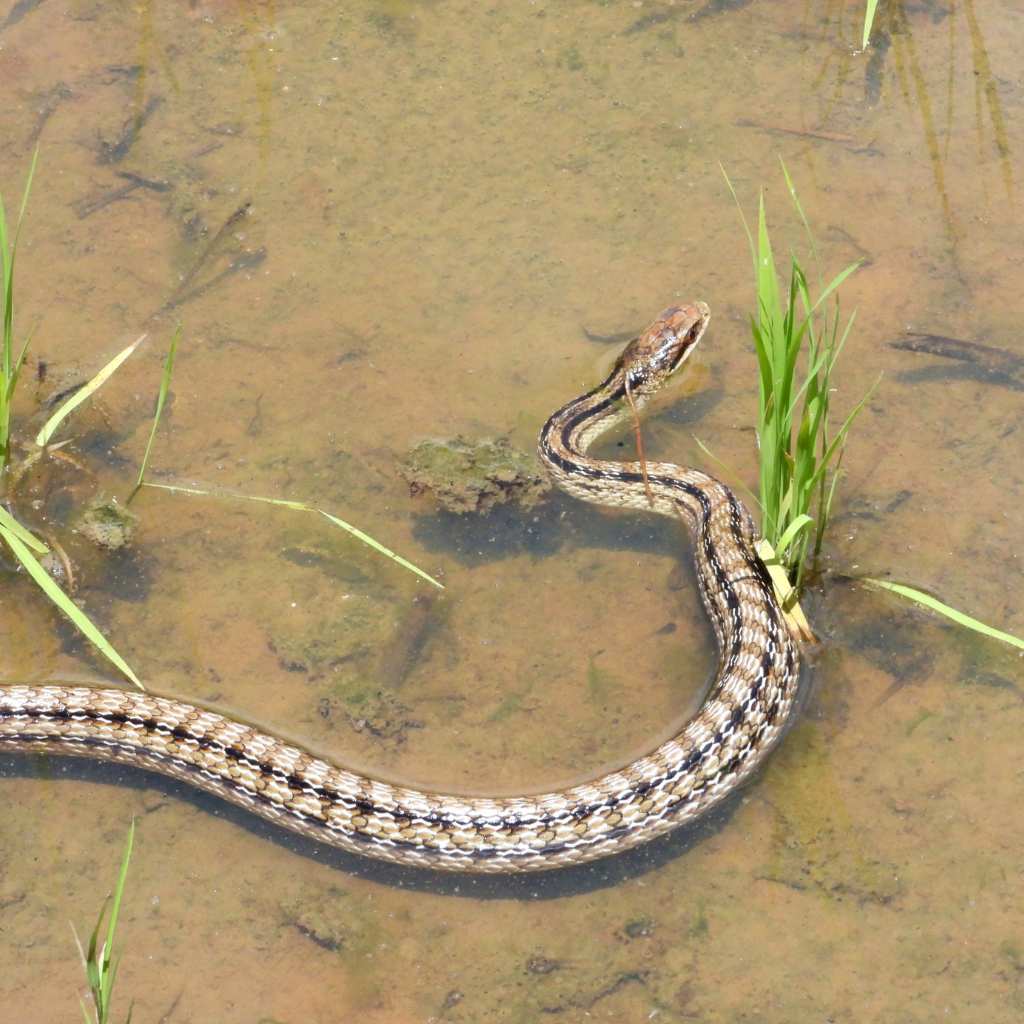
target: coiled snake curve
747 705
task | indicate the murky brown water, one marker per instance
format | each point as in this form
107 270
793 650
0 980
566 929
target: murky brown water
444 197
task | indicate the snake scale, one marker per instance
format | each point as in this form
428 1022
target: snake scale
746 708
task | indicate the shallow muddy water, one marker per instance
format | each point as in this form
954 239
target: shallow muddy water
396 221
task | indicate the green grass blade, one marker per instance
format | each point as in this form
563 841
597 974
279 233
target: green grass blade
7 259
90 964
44 435
300 506
122 876
743 219
810 387
869 20
838 347
767 280
165 384
763 361
8 522
297 506
366 539
12 381
25 193
64 603
795 199
6 339
7 255
826 510
936 605
838 439
799 524
98 962
729 469
4 252
835 283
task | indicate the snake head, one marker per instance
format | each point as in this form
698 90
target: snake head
652 357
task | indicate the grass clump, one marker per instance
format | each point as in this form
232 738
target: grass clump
98 961
798 339
23 544
25 547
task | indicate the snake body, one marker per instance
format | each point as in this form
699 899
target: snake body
741 718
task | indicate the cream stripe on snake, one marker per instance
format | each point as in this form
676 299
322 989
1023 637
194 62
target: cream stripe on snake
742 717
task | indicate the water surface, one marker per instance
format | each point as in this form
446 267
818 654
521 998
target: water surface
444 198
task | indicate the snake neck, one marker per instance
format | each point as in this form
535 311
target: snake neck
729 571
657 487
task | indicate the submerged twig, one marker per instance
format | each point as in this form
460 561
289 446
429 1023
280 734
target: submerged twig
617 338
115 152
18 11
51 101
986 363
246 261
710 10
208 250
87 207
989 356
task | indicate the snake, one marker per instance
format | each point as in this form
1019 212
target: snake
748 703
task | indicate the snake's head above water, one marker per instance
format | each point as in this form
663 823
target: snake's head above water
652 357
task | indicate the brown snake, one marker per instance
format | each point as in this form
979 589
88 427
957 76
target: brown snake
743 715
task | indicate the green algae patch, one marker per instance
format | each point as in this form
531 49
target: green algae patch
332 920
107 525
356 629
817 845
464 477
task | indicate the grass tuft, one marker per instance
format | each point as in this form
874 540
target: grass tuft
98 961
23 544
798 340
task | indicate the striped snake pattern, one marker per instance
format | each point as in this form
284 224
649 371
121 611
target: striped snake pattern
745 710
